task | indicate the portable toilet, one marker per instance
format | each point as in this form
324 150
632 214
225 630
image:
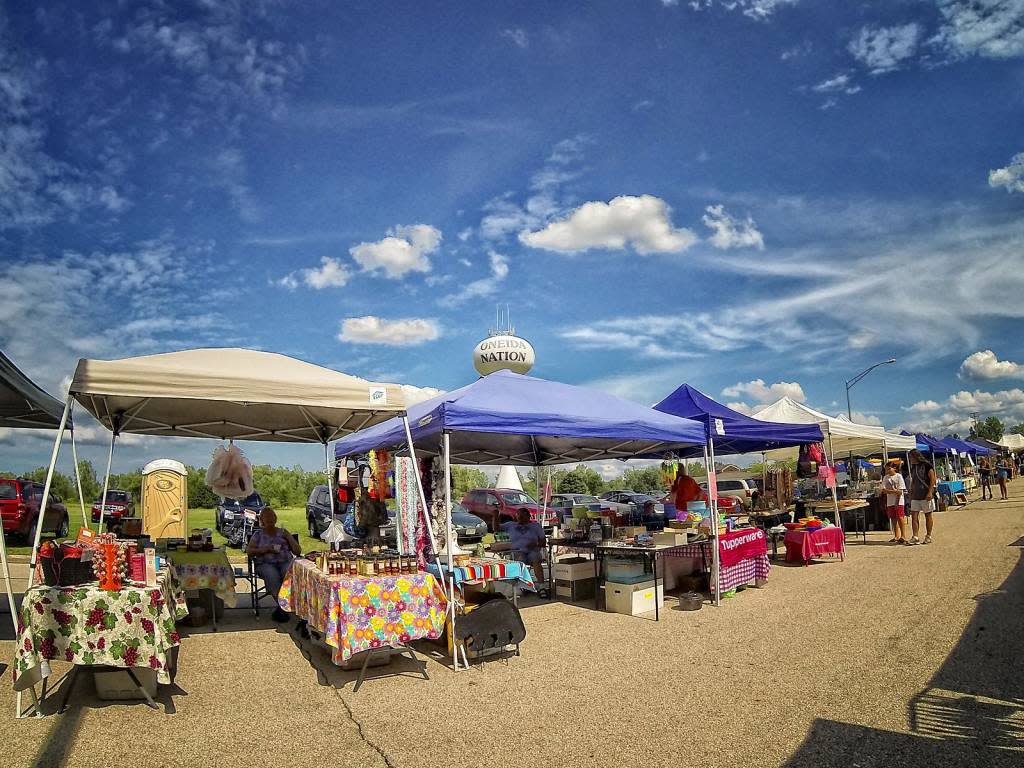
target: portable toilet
165 499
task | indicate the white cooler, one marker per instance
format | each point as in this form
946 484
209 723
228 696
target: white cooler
632 599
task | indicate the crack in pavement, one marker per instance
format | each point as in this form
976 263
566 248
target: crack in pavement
362 735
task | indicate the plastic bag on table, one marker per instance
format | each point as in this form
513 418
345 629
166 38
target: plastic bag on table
230 473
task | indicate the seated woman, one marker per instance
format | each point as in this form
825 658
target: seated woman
272 550
528 542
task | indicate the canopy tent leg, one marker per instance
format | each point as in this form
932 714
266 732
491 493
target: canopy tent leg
419 483
709 467
331 490
106 480
78 475
835 497
449 545
7 584
39 522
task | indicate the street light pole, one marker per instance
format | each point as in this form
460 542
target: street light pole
852 382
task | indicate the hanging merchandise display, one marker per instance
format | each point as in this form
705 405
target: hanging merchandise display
408 501
230 473
380 469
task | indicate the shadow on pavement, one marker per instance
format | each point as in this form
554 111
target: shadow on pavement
970 714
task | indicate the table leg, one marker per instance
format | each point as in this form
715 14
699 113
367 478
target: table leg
149 701
362 671
597 577
69 685
657 602
416 659
551 573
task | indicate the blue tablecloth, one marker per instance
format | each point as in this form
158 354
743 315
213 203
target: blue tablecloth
949 487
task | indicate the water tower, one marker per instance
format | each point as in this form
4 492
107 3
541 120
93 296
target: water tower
502 350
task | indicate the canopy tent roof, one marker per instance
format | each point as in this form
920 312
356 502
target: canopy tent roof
1012 441
240 394
732 431
508 418
962 446
844 436
22 403
929 444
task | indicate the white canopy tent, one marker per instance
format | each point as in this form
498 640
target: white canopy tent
225 394
1012 442
842 436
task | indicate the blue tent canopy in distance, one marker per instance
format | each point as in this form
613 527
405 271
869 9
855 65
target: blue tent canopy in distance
732 431
962 446
509 418
929 444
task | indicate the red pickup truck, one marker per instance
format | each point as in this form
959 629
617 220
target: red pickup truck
20 500
497 506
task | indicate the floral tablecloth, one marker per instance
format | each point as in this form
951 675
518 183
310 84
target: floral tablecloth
206 570
357 613
488 569
133 627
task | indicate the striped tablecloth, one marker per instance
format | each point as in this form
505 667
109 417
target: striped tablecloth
489 569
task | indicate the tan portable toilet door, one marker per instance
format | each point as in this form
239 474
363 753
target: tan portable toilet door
164 504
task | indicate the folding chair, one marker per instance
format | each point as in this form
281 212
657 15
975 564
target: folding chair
257 589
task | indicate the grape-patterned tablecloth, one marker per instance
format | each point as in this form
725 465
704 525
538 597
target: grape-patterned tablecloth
133 627
357 613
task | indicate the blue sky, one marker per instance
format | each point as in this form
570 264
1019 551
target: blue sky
758 197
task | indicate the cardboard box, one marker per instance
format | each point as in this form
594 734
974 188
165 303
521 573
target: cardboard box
573 571
632 599
116 685
673 538
576 590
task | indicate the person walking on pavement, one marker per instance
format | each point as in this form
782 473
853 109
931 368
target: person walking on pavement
985 472
1002 475
922 496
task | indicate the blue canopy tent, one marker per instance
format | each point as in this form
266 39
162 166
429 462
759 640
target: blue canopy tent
963 446
509 418
732 431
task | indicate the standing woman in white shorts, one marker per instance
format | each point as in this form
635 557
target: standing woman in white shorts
922 496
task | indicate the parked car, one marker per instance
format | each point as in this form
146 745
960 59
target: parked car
741 490
564 502
231 509
20 501
468 527
319 515
119 505
498 506
626 501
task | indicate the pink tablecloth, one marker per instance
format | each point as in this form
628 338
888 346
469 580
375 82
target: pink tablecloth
743 572
803 546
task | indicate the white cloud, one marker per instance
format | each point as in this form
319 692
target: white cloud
730 232
415 394
404 250
884 49
503 216
766 393
486 286
841 83
1011 177
924 406
989 28
396 333
743 408
517 35
985 365
863 418
331 273
230 174
641 222
759 10
955 414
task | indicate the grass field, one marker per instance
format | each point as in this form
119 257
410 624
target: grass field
292 519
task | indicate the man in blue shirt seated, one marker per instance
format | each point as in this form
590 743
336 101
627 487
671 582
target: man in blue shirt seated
528 542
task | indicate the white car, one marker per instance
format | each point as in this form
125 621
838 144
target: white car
741 490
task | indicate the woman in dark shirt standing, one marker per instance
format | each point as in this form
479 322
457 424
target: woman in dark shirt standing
985 471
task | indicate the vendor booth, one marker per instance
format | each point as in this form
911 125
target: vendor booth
842 438
731 432
224 394
509 418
